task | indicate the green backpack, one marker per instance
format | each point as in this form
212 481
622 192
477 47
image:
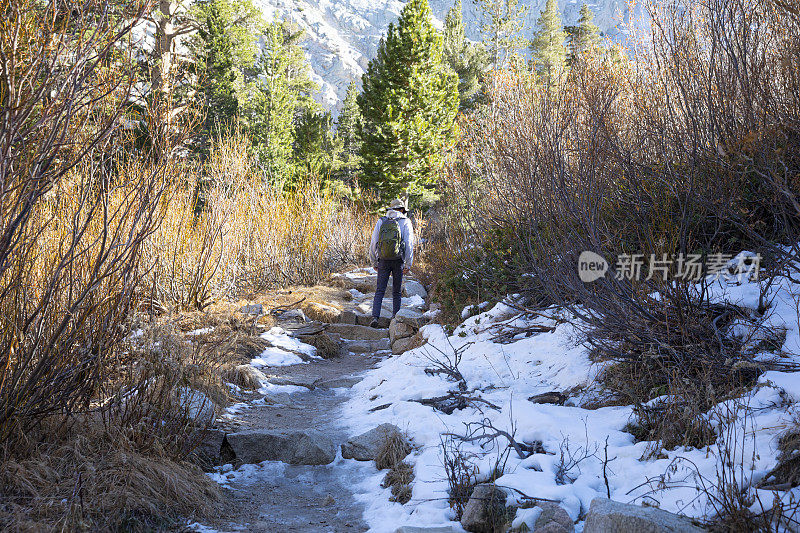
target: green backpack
390 240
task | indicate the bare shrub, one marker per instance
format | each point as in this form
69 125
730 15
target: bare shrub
674 151
399 478
165 390
244 376
461 472
735 500
74 213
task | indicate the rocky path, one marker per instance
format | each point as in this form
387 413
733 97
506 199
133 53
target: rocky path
308 498
299 410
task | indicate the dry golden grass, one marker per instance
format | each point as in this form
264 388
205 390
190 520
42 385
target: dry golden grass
228 233
244 376
393 450
399 478
93 478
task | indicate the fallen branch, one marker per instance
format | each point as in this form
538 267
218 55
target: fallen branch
281 309
523 450
454 400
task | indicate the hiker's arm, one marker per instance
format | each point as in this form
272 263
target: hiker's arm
409 240
373 243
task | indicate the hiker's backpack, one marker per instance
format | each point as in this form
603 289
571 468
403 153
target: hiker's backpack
390 240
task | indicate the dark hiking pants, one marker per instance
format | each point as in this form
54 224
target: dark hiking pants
386 267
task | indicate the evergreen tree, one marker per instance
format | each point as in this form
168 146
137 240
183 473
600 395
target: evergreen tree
347 133
316 151
225 44
503 22
409 103
584 36
280 88
468 60
549 53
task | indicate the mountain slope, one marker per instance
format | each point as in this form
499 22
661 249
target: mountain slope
343 35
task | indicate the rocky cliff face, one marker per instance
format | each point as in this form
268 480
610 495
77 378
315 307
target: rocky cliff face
343 35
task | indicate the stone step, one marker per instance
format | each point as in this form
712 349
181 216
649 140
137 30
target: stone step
356 332
309 447
368 346
298 382
336 383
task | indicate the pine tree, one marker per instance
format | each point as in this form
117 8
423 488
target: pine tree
316 151
468 60
503 22
280 88
347 135
408 105
549 53
584 36
225 44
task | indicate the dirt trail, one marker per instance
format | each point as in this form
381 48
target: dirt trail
295 498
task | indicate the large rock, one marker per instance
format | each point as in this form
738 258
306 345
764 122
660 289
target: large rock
366 320
553 519
366 308
366 446
348 317
400 330
328 345
361 282
554 397
295 314
355 332
607 515
336 383
209 448
197 406
292 382
485 511
252 309
409 343
413 318
414 288
309 447
368 346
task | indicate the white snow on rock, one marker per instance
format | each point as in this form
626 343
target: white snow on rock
507 374
280 338
276 357
343 35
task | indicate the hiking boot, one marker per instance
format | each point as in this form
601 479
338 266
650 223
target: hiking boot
374 323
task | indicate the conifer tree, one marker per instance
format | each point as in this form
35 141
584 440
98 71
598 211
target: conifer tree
316 151
280 87
347 133
468 60
503 22
225 44
408 105
584 36
549 53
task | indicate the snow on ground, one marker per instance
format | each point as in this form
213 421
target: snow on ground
284 350
276 357
507 374
280 338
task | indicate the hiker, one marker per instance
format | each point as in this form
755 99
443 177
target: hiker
391 251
